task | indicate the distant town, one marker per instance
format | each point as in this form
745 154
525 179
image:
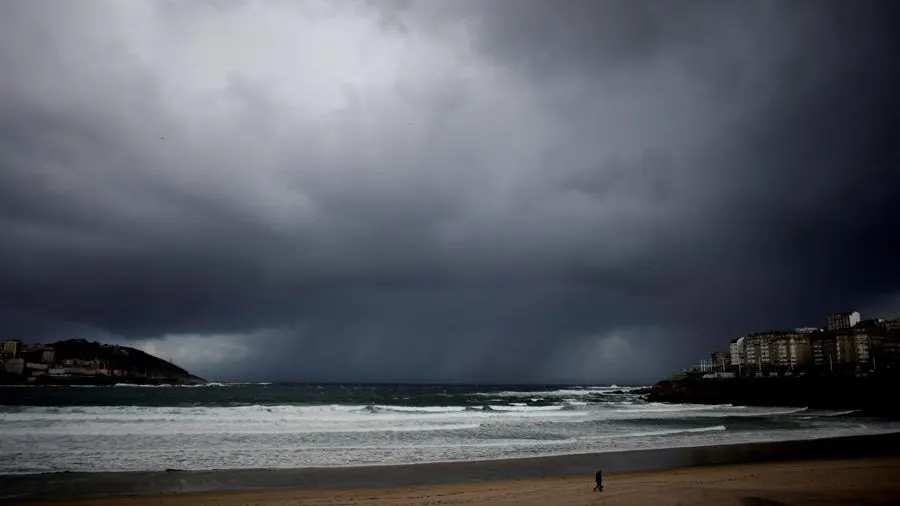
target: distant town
846 346
78 361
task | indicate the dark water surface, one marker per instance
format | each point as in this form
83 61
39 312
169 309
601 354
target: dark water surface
290 426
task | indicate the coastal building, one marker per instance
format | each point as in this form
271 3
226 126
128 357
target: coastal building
892 325
845 348
823 351
10 348
751 353
868 347
890 351
77 362
79 371
872 324
800 348
760 351
792 350
767 351
736 347
38 353
848 345
721 359
782 351
14 366
839 321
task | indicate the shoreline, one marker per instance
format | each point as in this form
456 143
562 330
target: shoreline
75 485
835 482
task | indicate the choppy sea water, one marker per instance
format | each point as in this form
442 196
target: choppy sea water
236 426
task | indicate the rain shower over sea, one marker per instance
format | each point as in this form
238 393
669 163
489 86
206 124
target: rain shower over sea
243 426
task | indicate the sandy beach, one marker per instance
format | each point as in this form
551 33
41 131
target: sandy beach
820 471
828 482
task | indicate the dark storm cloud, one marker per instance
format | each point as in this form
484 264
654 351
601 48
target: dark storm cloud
449 191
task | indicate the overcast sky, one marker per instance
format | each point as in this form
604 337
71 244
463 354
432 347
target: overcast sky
469 191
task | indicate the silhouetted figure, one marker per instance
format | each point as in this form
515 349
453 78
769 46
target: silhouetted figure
599 485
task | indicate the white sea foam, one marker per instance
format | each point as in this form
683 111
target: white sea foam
839 413
202 385
716 428
296 416
416 409
108 438
497 425
524 409
263 419
563 392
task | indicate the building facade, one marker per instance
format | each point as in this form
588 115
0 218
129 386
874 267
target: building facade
838 321
10 348
792 350
15 366
869 347
848 346
890 351
736 347
824 350
800 346
760 352
721 360
845 349
782 351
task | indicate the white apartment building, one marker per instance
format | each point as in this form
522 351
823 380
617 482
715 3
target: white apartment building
791 350
737 351
782 351
751 352
839 321
759 351
766 352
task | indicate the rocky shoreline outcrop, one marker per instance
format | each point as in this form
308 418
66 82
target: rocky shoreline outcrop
871 395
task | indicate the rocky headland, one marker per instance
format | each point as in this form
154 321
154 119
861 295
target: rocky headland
82 362
874 395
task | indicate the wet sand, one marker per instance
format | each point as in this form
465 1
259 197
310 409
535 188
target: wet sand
824 483
494 481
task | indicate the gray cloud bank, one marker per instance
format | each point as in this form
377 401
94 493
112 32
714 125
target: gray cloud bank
444 191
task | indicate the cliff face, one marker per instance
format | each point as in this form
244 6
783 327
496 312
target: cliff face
875 395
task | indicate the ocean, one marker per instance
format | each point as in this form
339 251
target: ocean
270 426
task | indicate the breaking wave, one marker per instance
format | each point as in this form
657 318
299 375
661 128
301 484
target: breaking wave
266 426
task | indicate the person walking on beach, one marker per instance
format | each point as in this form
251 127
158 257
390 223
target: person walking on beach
599 485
